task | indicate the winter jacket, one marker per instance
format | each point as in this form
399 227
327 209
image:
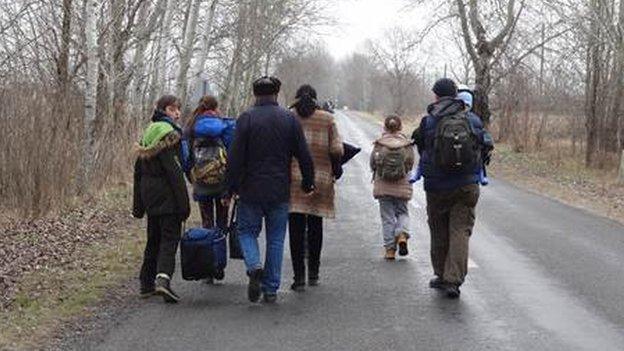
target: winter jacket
401 189
266 139
324 143
435 179
207 126
159 185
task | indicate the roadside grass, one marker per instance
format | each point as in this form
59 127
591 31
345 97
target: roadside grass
49 296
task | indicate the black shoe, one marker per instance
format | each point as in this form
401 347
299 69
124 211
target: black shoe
147 291
219 275
270 298
437 283
253 289
313 281
298 286
452 291
163 288
209 281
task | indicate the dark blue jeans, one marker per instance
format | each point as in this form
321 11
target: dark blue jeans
250 216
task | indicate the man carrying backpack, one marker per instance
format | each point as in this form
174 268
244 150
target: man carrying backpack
450 143
267 137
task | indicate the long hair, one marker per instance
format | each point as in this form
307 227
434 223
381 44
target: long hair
206 103
306 101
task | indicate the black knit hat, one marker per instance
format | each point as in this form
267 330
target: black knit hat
266 86
445 87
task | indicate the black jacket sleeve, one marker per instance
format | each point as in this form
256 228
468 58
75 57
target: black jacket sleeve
303 156
138 207
237 153
175 178
419 137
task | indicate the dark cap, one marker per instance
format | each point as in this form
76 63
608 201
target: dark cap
445 87
266 86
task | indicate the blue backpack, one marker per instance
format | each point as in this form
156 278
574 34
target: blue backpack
203 254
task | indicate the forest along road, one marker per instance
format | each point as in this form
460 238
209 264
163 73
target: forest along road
543 276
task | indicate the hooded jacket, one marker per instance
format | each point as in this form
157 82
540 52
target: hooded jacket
435 179
159 186
401 189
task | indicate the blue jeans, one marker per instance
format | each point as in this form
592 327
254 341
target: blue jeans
249 218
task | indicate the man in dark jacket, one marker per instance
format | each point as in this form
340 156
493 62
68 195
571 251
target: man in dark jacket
267 138
160 191
451 197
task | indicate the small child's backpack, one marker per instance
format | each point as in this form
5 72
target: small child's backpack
390 163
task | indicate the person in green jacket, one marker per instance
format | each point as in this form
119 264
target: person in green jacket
160 192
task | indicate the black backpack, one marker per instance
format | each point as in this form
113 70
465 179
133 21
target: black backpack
456 146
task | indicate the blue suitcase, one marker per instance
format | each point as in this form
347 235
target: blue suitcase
203 254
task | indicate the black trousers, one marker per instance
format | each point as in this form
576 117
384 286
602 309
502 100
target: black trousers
213 212
302 227
163 236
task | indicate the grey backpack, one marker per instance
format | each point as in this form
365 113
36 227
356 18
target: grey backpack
390 163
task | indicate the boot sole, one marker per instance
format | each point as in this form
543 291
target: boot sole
403 249
166 295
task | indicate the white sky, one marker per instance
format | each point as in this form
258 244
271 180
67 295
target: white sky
366 19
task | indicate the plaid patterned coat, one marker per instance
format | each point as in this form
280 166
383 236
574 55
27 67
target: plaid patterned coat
323 140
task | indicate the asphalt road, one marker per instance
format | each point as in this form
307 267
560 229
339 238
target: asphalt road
543 276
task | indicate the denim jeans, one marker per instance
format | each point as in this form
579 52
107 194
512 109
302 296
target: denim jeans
250 216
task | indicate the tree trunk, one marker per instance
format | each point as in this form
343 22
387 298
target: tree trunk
207 44
90 101
63 60
483 84
186 53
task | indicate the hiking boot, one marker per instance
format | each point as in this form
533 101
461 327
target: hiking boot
253 289
298 286
270 298
147 291
402 242
163 288
452 291
437 283
390 254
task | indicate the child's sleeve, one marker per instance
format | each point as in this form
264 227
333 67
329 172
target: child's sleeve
175 178
138 207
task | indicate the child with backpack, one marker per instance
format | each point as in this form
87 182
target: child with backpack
391 162
160 192
209 136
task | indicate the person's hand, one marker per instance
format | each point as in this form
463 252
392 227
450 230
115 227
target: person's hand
225 201
309 191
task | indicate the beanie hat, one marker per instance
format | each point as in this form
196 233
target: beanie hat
445 87
266 86
466 97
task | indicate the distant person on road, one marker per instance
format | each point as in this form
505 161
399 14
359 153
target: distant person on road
450 142
160 191
267 138
391 162
307 212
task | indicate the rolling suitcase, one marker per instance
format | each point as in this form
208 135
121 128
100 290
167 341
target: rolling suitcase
203 254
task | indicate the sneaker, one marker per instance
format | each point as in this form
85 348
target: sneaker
163 288
402 242
390 254
270 298
452 291
437 283
147 291
298 286
253 289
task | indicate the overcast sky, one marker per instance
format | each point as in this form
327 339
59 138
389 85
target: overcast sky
365 19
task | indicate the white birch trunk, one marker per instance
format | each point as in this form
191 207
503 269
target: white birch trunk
207 44
186 53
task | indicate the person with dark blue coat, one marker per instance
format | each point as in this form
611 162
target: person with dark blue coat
451 196
267 138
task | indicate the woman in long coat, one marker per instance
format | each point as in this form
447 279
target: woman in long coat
307 212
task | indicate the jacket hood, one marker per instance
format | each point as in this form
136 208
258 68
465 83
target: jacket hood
157 137
393 140
445 106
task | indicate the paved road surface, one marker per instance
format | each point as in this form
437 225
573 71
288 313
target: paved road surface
543 276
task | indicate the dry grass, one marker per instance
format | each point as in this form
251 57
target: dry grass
41 150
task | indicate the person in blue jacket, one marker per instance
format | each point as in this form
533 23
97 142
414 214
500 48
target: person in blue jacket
209 136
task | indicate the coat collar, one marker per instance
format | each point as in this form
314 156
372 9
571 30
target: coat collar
266 100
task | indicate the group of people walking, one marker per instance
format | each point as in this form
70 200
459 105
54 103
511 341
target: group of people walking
280 166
